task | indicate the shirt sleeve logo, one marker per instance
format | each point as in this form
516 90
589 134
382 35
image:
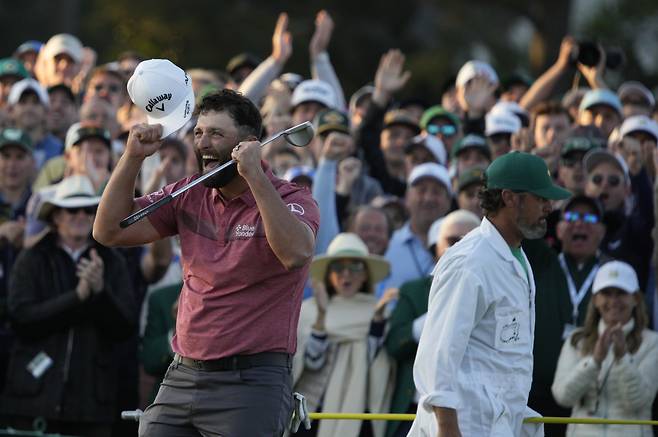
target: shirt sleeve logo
296 208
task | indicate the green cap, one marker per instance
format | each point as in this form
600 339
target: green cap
437 112
13 67
520 171
331 120
15 137
471 141
578 144
470 176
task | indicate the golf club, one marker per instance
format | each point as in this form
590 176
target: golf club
299 136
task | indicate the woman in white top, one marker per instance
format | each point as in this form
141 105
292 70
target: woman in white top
339 366
609 368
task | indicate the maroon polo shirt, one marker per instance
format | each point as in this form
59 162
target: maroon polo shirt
237 298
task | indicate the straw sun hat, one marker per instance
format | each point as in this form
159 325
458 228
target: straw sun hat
348 245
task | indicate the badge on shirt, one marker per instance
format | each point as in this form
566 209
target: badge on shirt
296 208
39 364
568 330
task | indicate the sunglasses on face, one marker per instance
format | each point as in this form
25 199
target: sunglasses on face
111 88
350 266
447 130
573 217
89 210
613 180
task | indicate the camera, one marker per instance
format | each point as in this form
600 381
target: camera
589 53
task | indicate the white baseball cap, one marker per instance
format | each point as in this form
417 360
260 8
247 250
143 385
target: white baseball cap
501 122
633 87
314 91
616 274
476 68
430 170
64 43
24 85
431 143
164 91
639 123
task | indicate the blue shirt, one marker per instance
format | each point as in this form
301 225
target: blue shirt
409 258
47 148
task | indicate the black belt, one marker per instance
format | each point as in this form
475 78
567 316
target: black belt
238 362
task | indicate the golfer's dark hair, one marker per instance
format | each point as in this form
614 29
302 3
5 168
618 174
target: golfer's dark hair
242 111
491 199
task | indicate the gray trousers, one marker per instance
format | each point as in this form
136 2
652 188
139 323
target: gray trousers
255 402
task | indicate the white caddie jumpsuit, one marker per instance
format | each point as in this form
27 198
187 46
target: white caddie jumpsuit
475 351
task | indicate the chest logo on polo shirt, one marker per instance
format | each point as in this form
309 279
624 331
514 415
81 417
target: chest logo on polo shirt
244 231
296 208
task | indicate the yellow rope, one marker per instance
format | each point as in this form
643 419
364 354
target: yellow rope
548 420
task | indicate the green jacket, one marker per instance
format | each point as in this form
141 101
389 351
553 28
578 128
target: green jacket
155 353
401 345
553 310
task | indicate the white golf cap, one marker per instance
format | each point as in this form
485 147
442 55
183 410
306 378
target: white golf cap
616 274
64 43
639 123
29 84
627 89
501 123
431 143
472 69
164 91
314 91
430 170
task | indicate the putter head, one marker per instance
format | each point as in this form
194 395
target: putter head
300 135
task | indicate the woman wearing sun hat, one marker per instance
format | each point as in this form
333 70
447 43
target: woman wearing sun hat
339 366
607 369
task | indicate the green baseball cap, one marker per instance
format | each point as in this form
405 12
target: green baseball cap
518 171
470 176
472 141
15 137
578 144
331 120
438 112
13 67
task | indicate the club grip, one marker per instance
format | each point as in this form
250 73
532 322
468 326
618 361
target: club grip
136 216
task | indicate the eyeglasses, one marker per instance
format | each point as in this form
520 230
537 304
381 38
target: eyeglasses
613 180
573 217
113 88
350 266
89 210
447 130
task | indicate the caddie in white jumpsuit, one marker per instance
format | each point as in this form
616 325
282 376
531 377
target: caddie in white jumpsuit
473 368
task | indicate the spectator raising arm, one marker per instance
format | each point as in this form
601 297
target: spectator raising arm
255 85
321 67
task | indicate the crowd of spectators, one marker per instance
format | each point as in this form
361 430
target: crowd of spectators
85 330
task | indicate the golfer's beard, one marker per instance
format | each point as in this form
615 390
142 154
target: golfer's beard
221 179
531 231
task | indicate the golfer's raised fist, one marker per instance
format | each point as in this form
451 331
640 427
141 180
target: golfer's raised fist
143 140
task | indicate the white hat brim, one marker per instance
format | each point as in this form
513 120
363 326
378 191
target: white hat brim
178 117
378 267
72 202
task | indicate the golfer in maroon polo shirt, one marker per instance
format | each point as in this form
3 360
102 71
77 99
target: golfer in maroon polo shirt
247 239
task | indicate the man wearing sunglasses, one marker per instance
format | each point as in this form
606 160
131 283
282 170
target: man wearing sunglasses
564 283
71 302
443 124
628 209
109 84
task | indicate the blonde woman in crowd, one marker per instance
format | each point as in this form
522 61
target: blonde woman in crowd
607 369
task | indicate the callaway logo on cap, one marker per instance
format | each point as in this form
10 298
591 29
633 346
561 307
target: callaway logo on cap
164 92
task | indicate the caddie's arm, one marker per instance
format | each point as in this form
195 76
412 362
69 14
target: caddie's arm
291 240
118 197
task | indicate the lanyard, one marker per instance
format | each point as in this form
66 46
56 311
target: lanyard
577 297
421 271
